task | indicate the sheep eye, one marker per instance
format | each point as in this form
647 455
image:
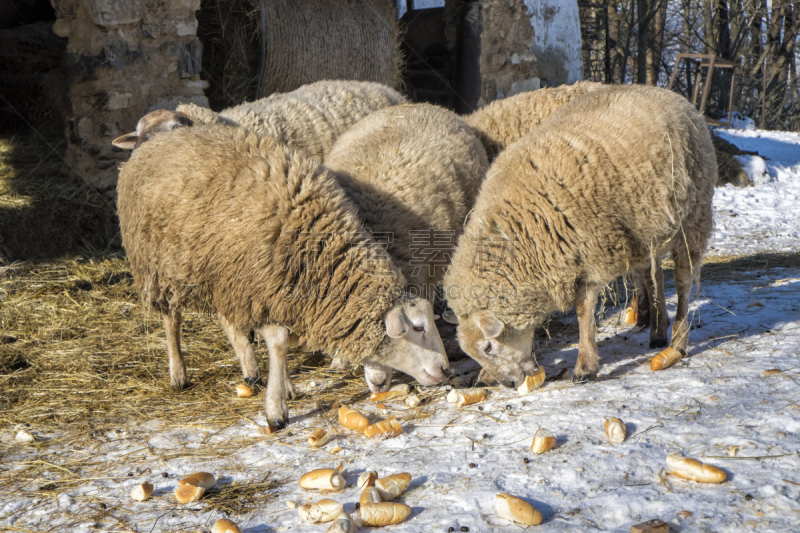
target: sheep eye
419 328
488 348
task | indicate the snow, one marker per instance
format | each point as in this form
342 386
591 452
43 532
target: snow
718 406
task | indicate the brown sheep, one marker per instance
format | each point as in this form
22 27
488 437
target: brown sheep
221 219
609 183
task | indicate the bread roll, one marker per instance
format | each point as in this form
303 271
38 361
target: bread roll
189 493
243 390
533 382
543 441
631 316
352 419
366 479
225 526
385 429
692 469
384 513
199 479
615 429
142 492
342 524
318 438
665 358
320 512
462 397
391 487
370 495
516 510
324 479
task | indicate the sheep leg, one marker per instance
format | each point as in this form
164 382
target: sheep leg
177 366
659 319
588 358
641 301
683 286
278 384
244 351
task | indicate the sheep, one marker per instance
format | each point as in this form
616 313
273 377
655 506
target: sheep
225 220
413 172
504 121
609 183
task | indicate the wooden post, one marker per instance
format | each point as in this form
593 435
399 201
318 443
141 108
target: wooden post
730 99
675 68
707 88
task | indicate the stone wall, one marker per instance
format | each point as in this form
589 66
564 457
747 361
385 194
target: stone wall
124 59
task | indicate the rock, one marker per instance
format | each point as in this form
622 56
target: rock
113 12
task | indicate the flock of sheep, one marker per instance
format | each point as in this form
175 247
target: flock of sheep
300 216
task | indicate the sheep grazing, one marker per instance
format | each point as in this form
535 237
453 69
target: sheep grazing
504 121
225 220
413 172
609 183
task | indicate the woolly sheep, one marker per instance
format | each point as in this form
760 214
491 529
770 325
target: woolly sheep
221 219
504 121
609 183
413 172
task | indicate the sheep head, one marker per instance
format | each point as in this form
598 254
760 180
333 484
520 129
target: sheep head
158 121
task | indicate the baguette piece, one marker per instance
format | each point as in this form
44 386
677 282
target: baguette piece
664 358
352 419
391 487
324 479
386 396
543 441
189 493
384 513
225 526
320 512
342 524
615 430
142 492
533 382
631 316
516 510
462 397
366 479
370 495
318 438
199 479
243 390
385 429
694 470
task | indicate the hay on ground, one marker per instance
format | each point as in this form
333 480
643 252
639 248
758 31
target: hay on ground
730 169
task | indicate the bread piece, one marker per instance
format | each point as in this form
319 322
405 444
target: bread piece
366 479
412 400
384 513
243 390
615 430
142 492
533 382
24 437
352 419
663 359
320 512
692 469
370 495
225 526
342 524
386 396
462 397
391 487
631 316
543 441
189 493
199 479
385 429
318 438
324 479
516 510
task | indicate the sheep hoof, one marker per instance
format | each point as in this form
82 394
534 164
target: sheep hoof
658 343
254 382
584 378
180 386
276 426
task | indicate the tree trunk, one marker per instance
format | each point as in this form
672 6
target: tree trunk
642 9
723 30
657 25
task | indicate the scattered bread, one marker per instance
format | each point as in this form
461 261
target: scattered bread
386 396
462 397
370 495
385 429
366 479
199 479
336 449
189 493
318 438
615 430
320 512
225 526
663 359
24 437
384 513
342 524
516 510
631 316
142 492
291 504
352 419
543 441
243 390
533 382
391 487
412 400
692 469
324 479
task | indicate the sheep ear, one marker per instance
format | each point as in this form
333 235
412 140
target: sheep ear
489 324
127 141
395 321
450 317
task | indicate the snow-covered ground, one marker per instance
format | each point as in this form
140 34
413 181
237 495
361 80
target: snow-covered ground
733 403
